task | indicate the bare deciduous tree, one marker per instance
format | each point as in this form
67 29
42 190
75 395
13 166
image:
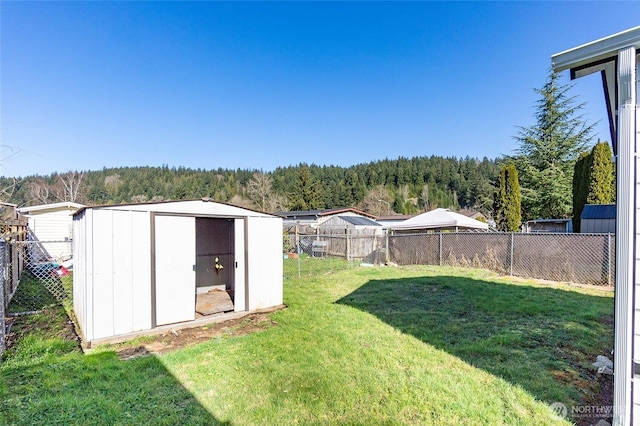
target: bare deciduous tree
277 203
70 187
424 197
378 201
238 200
40 191
259 190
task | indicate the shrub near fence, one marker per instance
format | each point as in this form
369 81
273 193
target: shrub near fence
581 258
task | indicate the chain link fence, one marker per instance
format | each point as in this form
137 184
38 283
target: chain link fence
31 279
579 258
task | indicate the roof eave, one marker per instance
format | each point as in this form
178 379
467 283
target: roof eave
596 51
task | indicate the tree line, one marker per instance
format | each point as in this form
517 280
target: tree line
402 185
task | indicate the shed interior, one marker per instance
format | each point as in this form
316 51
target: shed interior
215 266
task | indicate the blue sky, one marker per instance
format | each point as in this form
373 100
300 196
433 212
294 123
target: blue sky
87 85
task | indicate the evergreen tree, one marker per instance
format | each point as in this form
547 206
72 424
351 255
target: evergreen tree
593 180
507 209
548 152
305 195
602 181
580 187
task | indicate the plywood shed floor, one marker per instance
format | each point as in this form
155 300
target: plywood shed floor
213 302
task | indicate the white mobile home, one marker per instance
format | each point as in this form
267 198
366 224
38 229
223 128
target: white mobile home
140 267
617 59
52 223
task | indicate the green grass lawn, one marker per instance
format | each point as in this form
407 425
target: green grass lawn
366 346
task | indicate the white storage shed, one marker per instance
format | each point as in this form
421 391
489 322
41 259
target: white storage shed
141 267
52 224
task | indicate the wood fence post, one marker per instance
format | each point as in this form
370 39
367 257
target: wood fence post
348 244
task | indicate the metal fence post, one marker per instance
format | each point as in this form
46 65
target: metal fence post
298 249
440 248
609 259
386 254
511 257
347 245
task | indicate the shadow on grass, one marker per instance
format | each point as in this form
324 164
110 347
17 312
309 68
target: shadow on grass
542 339
45 381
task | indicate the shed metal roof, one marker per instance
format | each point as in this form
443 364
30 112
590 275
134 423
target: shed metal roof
359 221
598 211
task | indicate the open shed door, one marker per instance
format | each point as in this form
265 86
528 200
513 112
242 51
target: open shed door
175 276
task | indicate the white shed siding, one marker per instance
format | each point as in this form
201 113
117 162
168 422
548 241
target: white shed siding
79 274
175 276
112 294
113 273
103 291
264 256
131 260
140 271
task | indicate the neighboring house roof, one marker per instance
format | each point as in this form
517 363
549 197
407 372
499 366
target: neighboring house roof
43 208
300 214
359 221
440 219
598 211
472 214
563 220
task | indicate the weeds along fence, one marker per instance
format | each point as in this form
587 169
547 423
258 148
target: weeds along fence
33 276
579 258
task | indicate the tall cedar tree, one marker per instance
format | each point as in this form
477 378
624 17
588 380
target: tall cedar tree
602 181
507 209
593 180
305 195
580 187
548 152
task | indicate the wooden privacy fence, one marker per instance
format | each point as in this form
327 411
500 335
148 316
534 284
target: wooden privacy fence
11 266
364 245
